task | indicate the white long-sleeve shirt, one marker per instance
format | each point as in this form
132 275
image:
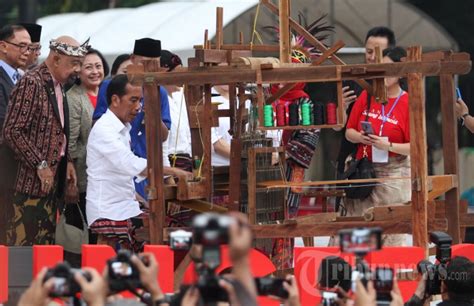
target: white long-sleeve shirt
111 167
179 116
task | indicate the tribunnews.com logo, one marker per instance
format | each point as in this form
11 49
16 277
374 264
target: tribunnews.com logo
309 269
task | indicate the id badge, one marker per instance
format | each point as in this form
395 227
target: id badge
379 156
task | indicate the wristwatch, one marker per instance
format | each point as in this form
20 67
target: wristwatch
42 165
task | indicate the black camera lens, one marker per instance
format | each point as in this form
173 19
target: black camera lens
64 284
123 275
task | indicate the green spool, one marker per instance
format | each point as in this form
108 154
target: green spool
267 115
306 114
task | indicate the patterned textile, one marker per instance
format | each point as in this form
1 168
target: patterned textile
300 148
388 193
34 132
69 50
119 234
34 220
293 198
183 161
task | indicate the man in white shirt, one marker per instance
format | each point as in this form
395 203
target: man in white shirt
111 167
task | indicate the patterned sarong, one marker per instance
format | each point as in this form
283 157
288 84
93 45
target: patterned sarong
119 234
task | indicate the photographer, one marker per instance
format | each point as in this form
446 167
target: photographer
148 269
37 293
458 286
93 292
420 296
293 294
368 296
239 251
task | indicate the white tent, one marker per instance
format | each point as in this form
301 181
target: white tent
179 25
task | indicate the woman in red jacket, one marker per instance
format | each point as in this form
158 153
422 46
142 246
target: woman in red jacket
387 145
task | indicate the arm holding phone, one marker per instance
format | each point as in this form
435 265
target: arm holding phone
368 137
462 112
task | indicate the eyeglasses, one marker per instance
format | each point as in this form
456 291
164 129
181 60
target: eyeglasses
22 47
34 49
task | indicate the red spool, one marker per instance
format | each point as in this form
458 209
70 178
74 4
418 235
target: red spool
331 114
281 114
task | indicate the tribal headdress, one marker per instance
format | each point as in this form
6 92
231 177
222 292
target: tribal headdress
301 50
69 50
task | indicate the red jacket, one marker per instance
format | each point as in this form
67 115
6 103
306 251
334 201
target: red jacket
33 130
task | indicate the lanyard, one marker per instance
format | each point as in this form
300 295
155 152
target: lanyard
385 118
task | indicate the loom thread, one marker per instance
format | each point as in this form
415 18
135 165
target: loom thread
268 115
331 113
281 114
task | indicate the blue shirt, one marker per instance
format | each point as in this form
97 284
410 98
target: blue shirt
11 71
137 133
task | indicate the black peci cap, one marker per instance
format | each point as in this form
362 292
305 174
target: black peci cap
147 47
34 30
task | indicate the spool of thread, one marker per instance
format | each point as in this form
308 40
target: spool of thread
331 113
305 113
318 113
267 115
293 114
281 114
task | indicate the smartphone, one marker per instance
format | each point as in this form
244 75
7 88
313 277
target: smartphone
383 285
271 286
367 127
458 94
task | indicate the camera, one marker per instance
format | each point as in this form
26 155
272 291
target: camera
181 240
64 283
360 241
123 274
209 230
335 271
271 286
437 272
383 284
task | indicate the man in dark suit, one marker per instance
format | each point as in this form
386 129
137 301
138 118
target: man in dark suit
36 129
14 52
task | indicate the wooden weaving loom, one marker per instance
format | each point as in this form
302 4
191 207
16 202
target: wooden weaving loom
424 214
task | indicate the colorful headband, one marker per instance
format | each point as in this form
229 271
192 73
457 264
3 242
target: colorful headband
69 50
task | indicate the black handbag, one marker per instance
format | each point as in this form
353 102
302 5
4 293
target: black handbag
360 169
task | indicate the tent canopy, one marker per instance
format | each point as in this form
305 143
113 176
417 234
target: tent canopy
181 24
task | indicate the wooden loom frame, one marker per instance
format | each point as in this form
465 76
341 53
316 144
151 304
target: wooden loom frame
201 75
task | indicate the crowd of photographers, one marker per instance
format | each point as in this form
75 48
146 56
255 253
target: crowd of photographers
452 278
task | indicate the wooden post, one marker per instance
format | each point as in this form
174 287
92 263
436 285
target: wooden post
285 47
450 152
235 151
219 27
380 91
206 39
340 100
154 153
252 185
206 139
418 152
